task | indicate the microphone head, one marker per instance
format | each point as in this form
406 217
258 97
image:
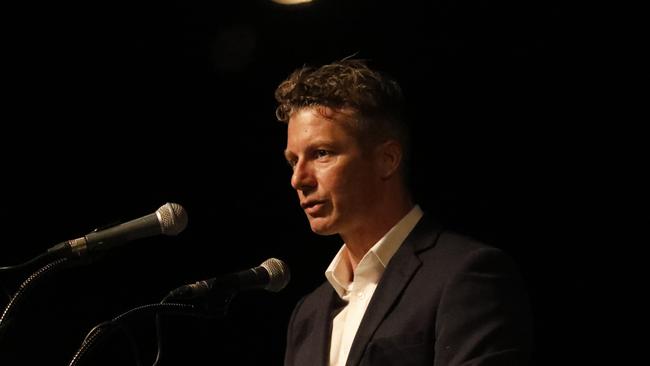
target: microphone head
172 218
279 274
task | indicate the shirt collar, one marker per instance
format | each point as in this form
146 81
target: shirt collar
374 262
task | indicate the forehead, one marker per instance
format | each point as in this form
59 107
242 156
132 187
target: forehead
323 119
311 124
307 128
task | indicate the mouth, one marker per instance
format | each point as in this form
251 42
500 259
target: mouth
312 207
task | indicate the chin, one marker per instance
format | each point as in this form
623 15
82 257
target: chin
321 227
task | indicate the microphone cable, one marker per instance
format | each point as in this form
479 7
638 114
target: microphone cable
25 264
159 335
208 309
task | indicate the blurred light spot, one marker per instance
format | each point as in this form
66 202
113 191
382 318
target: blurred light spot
291 2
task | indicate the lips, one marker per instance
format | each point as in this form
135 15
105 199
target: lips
312 207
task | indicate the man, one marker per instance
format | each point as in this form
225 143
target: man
402 290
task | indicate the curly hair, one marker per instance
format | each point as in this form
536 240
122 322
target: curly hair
376 99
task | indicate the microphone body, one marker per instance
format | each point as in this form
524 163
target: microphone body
169 219
272 275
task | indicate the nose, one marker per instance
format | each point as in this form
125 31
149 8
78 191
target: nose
303 178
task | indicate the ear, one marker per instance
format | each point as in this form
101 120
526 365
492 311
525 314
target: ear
389 158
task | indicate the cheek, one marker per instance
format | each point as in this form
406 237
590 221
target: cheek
346 186
362 186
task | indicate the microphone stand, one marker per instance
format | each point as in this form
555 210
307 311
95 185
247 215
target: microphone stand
33 279
101 330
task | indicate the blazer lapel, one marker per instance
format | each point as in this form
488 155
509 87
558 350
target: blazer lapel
318 343
398 274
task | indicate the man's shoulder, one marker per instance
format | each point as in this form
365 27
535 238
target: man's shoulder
431 235
457 252
456 241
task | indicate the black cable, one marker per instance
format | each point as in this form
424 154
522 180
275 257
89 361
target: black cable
25 264
95 333
134 345
159 343
99 327
159 336
208 308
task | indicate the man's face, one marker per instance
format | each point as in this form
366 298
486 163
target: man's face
336 181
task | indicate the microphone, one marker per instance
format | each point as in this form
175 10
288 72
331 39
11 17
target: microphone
272 275
169 219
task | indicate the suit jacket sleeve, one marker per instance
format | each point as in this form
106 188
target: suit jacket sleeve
483 315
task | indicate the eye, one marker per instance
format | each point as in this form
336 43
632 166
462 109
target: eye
292 163
322 153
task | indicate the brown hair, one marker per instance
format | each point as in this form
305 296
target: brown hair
375 98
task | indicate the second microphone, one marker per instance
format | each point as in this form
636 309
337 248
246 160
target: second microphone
272 275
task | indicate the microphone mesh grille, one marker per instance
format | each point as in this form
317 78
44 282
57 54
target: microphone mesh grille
279 274
173 218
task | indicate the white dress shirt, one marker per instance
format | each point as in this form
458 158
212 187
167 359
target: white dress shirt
357 288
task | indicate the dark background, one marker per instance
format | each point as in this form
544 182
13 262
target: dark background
113 109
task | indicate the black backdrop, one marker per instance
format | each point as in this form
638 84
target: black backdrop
114 109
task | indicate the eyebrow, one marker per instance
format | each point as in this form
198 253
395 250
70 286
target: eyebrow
312 146
287 154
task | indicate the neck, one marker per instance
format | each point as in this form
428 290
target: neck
359 241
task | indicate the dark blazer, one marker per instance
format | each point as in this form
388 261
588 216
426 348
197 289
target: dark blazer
444 300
